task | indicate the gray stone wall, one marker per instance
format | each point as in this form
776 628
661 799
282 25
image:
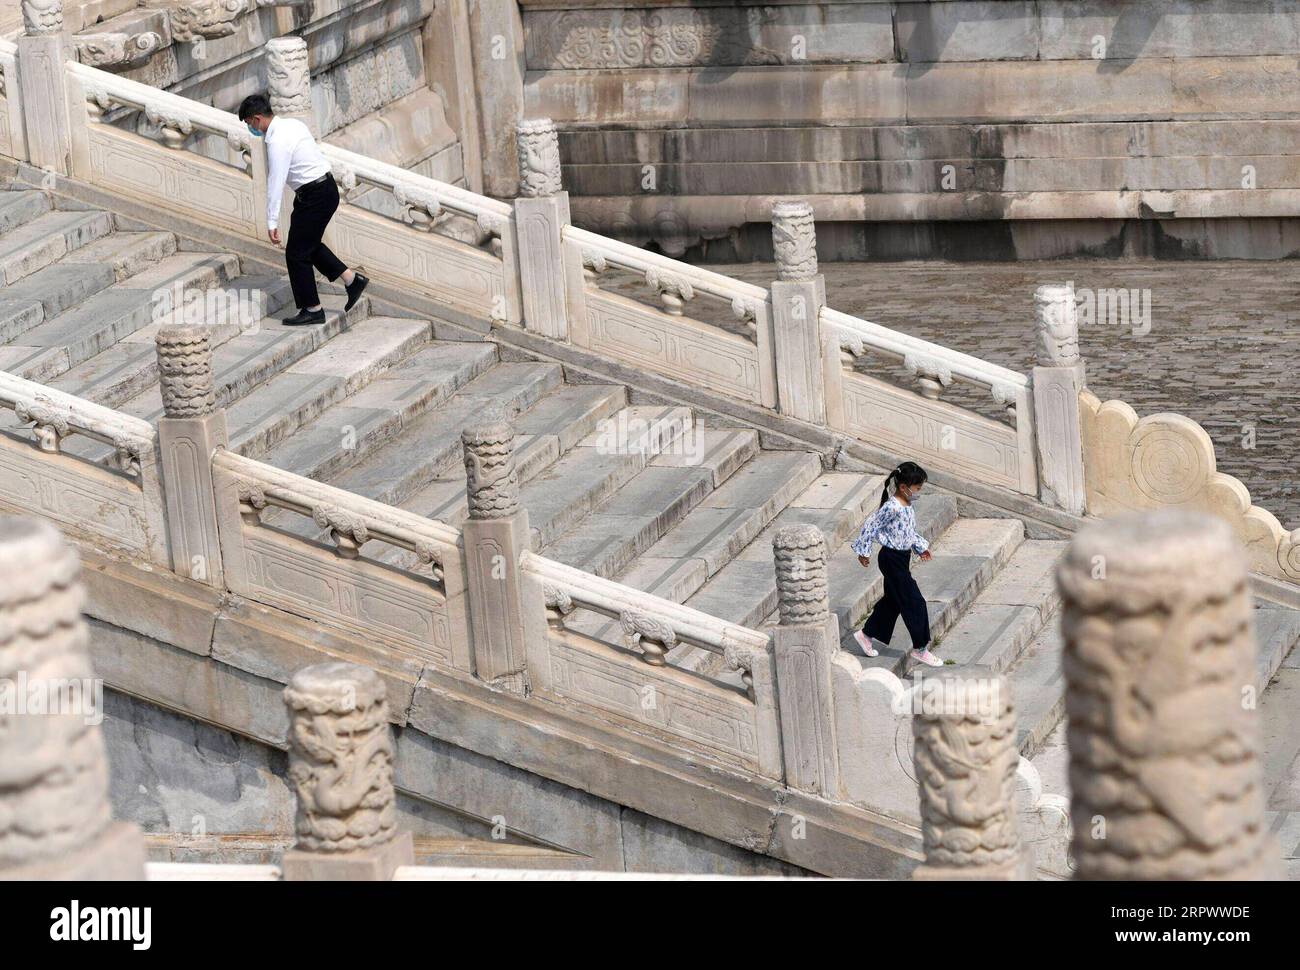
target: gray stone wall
205 793
677 123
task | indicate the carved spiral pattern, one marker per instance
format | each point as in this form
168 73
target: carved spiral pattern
1167 466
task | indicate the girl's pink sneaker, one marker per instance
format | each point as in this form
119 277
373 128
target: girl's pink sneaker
865 643
926 657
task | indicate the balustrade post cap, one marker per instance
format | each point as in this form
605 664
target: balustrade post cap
334 688
1134 561
538 145
798 538
185 371
1056 321
794 240
41 17
286 43
800 555
962 693
489 432
34 558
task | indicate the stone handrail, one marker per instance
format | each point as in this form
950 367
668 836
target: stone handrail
418 190
568 588
745 298
352 519
717 719
56 415
161 107
857 336
121 505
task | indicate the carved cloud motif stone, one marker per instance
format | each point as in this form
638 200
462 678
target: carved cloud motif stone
490 477
801 579
341 758
1056 319
288 75
185 371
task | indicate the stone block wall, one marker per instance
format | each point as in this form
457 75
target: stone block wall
680 124
370 86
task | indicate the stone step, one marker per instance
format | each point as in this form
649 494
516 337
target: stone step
129 368
20 206
579 482
708 540
1277 629
1038 688
562 493
300 393
369 422
110 313
402 471
1038 683
656 501
743 590
42 297
427 457
243 359
46 239
127 253
1009 612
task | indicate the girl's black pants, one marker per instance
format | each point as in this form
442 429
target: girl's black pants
902 597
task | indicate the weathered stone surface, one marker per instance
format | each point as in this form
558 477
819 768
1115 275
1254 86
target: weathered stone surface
1157 606
54 807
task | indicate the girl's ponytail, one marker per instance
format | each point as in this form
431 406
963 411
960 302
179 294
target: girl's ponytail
884 495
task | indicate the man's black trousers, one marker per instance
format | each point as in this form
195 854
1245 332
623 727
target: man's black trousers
313 207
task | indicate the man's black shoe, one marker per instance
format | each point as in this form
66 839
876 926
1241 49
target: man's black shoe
303 317
354 290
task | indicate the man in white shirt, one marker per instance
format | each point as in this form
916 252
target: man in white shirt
293 159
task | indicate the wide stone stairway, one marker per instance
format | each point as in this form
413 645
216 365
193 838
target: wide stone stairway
653 496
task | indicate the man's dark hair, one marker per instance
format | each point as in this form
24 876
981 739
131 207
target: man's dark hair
254 104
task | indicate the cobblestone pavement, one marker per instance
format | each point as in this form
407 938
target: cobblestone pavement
1223 346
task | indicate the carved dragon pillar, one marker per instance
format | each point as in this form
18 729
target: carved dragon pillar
804 644
54 808
798 295
1165 767
341 769
495 536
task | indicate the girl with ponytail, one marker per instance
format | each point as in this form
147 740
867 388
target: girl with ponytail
893 525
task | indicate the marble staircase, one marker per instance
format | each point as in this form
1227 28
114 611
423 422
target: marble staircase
657 497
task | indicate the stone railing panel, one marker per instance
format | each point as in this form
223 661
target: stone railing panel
669 342
121 505
482 281
228 196
915 423
425 619
1167 460
738 728
13 134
